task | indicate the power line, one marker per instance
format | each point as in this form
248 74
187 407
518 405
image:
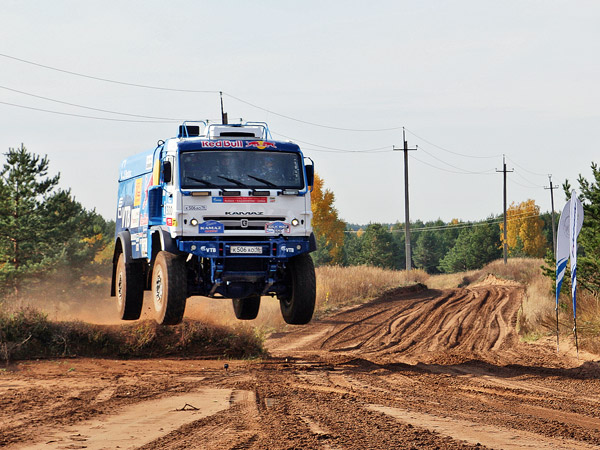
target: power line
145 86
450 171
311 123
450 151
339 150
161 88
455 167
524 185
83 116
522 216
88 107
362 152
531 185
526 170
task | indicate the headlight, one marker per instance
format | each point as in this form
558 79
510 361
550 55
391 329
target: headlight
193 222
295 222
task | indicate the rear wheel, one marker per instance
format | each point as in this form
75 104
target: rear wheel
129 289
298 303
169 288
246 308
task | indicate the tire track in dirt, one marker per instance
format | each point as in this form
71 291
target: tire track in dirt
455 358
473 322
422 369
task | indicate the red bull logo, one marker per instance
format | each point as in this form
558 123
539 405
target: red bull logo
261 145
222 144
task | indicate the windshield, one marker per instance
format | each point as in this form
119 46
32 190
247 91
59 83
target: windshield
241 169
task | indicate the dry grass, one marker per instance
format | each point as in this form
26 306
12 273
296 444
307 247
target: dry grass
522 270
453 280
338 287
537 316
28 334
588 320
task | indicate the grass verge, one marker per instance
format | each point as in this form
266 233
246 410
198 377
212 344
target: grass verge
28 334
338 287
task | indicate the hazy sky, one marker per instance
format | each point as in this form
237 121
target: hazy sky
475 78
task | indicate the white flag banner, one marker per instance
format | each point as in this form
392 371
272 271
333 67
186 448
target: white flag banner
575 227
562 247
569 226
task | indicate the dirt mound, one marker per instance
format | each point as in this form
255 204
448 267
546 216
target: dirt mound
427 326
493 280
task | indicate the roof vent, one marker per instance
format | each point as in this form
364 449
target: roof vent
235 131
237 134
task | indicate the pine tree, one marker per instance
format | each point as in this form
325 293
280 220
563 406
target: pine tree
427 251
474 247
44 229
588 261
25 187
377 248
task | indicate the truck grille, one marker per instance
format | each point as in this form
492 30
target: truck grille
245 223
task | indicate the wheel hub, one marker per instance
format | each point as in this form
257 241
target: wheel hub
120 288
158 290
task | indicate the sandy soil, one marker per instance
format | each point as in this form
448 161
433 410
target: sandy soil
415 369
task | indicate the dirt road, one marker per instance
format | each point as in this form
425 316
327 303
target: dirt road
419 368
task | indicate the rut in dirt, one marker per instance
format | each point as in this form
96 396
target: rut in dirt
420 325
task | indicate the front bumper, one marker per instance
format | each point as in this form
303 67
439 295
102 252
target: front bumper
272 248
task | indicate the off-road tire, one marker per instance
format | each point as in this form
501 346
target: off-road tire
298 304
169 288
246 308
129 289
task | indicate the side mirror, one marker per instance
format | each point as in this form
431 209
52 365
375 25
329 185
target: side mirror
310 175
167 172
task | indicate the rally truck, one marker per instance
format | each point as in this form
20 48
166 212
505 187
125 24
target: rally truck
221 211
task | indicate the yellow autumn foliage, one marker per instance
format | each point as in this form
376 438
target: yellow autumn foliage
327 225
524 230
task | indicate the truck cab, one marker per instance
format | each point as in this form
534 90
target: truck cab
221 211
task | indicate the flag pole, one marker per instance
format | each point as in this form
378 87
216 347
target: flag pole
557 336
576 222
575 332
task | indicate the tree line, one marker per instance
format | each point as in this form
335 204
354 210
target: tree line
437 246
44 230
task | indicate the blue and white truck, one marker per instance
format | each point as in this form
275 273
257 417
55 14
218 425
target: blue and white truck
222 211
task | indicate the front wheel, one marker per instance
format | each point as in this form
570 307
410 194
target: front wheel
246 308
129 289
169 288
298 303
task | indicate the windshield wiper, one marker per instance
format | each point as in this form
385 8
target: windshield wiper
236 182
262 180
204 182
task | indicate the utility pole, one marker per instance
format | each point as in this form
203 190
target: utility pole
552 203
505 227
405 149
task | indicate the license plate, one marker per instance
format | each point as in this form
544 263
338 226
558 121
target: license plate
246 249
